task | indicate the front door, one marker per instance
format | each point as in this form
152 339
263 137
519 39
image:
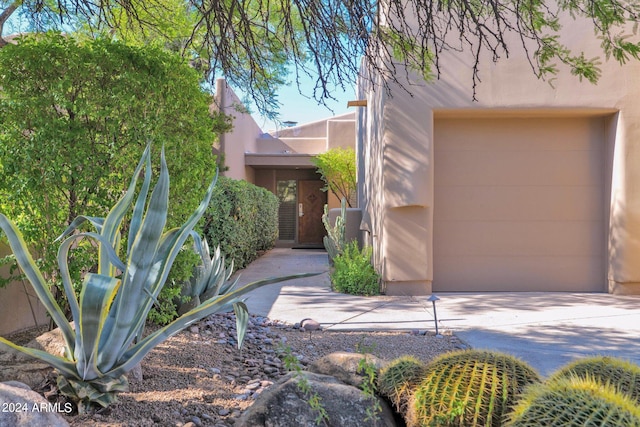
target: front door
311 201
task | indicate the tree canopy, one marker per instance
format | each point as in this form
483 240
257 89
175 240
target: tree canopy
254 43
337 166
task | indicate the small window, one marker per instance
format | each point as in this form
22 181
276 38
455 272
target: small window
287 195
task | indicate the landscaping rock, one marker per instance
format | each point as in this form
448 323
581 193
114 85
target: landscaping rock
285 404
15 366
52 342
18 366
344 366
24 407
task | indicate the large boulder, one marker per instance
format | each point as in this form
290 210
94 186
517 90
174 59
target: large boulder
286 404
346 366
17 366
52 342
23 407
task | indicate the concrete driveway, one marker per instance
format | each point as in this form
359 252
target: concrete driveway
545 329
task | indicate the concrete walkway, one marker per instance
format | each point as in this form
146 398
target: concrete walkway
545 329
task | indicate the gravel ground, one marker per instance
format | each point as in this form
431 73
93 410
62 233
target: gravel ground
199 377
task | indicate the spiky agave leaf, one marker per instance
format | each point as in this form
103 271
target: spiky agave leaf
40 286
142 271
167 249
63 253
214 305
98 292
101 391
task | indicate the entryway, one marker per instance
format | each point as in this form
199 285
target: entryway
300 214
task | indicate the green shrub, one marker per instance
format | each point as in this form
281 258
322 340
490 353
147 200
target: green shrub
353 272
622 374
74 117
166 309
469 388
574 402
242 219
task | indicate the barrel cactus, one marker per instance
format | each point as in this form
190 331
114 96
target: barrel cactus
398 380
574 401
469 388
622 374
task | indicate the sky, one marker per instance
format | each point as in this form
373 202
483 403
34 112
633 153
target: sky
303 109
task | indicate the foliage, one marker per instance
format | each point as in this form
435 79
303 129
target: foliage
242 219
74 114
328 39
292 364
574 401
398 380
338 169
335 240
208 276
172 295
369 371
353 272
106 339
622 374
469 388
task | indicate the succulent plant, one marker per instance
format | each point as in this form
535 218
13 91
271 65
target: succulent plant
622 374
335 240
106 340
398 380
574 401
469 388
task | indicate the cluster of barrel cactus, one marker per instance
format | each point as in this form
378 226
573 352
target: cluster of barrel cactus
485 388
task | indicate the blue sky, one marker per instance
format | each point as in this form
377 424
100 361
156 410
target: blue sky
302 108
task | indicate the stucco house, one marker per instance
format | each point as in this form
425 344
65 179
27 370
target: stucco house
533 187
280 161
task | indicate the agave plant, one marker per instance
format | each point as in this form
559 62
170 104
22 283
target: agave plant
105 339
210 278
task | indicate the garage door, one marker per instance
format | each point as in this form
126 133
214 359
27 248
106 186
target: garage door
519 204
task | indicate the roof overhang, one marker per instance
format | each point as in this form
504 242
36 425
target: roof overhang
279 160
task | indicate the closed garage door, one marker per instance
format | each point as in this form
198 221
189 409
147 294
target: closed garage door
519 204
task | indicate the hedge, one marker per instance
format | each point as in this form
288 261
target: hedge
243 219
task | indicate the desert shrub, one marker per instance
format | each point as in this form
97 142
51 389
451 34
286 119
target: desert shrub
576 402
353 272
242 219
622 374
469 388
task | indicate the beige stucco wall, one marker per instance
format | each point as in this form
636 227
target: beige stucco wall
242 137
18 305
395 151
